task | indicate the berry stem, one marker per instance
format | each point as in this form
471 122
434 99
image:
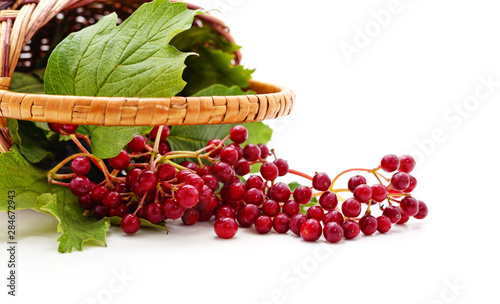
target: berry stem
300 174
51 181
63 176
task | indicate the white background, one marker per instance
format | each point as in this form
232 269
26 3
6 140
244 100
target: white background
403 84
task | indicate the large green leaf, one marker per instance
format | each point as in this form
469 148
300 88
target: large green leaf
189 40
213 67
133 59
75 228
107 142
32 141
28 82
27 181
221 90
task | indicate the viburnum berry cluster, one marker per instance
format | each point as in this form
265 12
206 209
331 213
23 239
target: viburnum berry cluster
145 180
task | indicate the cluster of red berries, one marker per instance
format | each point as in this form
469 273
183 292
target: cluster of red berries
146 183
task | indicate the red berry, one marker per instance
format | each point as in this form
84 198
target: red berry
211 181
238 134
296 222
280 192
240 217
112 200
355 181
229 155
238 149
55 127
191 216
255 181
225 212
400 181
217 146
98 193
333 232
148 180
86 202
250 213
316 212
328 200
333 216
282 166
154 213
271 208
291 208
137 144
263 224
120 211
269 171
368 224
242 167
81 165
302 195
422 211
254 196
251 152
403 220
80 186
121 161
311 230
69 128
190 165
389 163
187 196
379 192
412 186
351 207
204 170
100 211
362 193
224 172
351 229
165 132
163 148
165 172
172 210
225 227
264 151
321 181
393 213
409 206
130 224
407 163
280 223
132 176
383 224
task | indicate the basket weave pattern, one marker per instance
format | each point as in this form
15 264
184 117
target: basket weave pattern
21 20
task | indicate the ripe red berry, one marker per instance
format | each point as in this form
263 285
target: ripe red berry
351 207
333 216
121 161
271 208
282 166
165 172
403 220
280 192
269 171
112 200
409 206
400 181
368 224
238 134
163 148
389 163
236 191
225 227
296 222
379 192
333 232
321 181
148 180
130 224
316 212
211 181
187 196
154 213
281 222
191 216
55 127
264 151
291 208
254 196
242 167
137 144
250 213
263 224
229 155
393 213
100 211
98 192
81 165
238 149
311 230
165 132
255 181
225 211
217 145
407 163
355 181
86 202
251 152
383 224
302 195
328 200
172 210
362 193
422 211
121 211
80 186
224 172
412 186
351 229
69 128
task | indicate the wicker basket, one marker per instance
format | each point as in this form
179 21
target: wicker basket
29 22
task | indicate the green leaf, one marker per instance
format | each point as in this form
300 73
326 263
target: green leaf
107 142
189 40
28 82
133 59
75 228
27 181
116 221
213 67
32 141
221 90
